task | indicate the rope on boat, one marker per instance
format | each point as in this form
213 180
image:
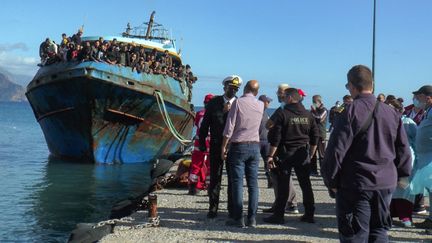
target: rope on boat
167 119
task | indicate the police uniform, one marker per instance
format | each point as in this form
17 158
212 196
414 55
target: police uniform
293 131
364 162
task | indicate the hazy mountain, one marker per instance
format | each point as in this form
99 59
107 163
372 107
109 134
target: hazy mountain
20 79
10 91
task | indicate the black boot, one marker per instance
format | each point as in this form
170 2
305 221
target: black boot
192 189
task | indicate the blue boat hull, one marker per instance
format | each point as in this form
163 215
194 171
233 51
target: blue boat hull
91 112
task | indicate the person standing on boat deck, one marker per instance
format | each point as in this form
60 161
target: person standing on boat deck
319 112
94 52
166 60
242 158
200 165
292 138
65 40
214 121
291 206
76 38
367 153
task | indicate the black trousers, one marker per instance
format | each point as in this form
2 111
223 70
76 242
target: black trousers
318 157
297 158
264 149
363 216
216 170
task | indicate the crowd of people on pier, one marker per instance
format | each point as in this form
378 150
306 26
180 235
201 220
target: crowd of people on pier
139 58
377 162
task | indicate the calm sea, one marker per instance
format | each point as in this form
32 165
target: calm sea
41 199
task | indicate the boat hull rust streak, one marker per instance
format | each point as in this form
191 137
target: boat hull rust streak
106 113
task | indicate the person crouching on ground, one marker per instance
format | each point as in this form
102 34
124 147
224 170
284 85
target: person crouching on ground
242 158
200 165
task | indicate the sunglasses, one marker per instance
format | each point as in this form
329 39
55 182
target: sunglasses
347 86
233 88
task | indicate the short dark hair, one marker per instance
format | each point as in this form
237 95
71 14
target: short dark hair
347 97
317 97
293 93
390 97
360 77
396 104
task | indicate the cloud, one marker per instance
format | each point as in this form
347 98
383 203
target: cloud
12 47
18 64
211 77
14 61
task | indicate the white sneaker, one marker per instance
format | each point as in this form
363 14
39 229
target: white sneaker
421 212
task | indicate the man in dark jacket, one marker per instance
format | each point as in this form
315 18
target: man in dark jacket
367 153
319 112
263 131
293 137
214 120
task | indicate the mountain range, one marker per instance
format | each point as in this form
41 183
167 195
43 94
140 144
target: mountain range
10 88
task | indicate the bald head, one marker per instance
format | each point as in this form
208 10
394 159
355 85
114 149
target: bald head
251 86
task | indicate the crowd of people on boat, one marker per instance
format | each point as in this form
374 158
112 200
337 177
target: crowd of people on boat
377 162
139 58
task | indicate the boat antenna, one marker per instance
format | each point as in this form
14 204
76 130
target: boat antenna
150 24
84 20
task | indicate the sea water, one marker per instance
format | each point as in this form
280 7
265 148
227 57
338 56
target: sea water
42 199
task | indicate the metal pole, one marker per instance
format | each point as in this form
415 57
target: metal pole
150 25
373 46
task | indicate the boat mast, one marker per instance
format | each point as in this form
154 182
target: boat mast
150 24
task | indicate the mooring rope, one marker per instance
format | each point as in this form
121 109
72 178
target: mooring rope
167 119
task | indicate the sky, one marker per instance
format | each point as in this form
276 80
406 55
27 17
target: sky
309 44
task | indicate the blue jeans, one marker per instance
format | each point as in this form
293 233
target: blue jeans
243 159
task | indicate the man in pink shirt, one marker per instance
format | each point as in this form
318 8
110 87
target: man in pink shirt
242 131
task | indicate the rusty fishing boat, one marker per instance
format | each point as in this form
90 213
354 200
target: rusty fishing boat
104 113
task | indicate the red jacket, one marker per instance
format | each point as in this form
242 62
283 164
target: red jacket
410 112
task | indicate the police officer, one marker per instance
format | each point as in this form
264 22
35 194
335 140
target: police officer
292 139
214 121
292 197
367 153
